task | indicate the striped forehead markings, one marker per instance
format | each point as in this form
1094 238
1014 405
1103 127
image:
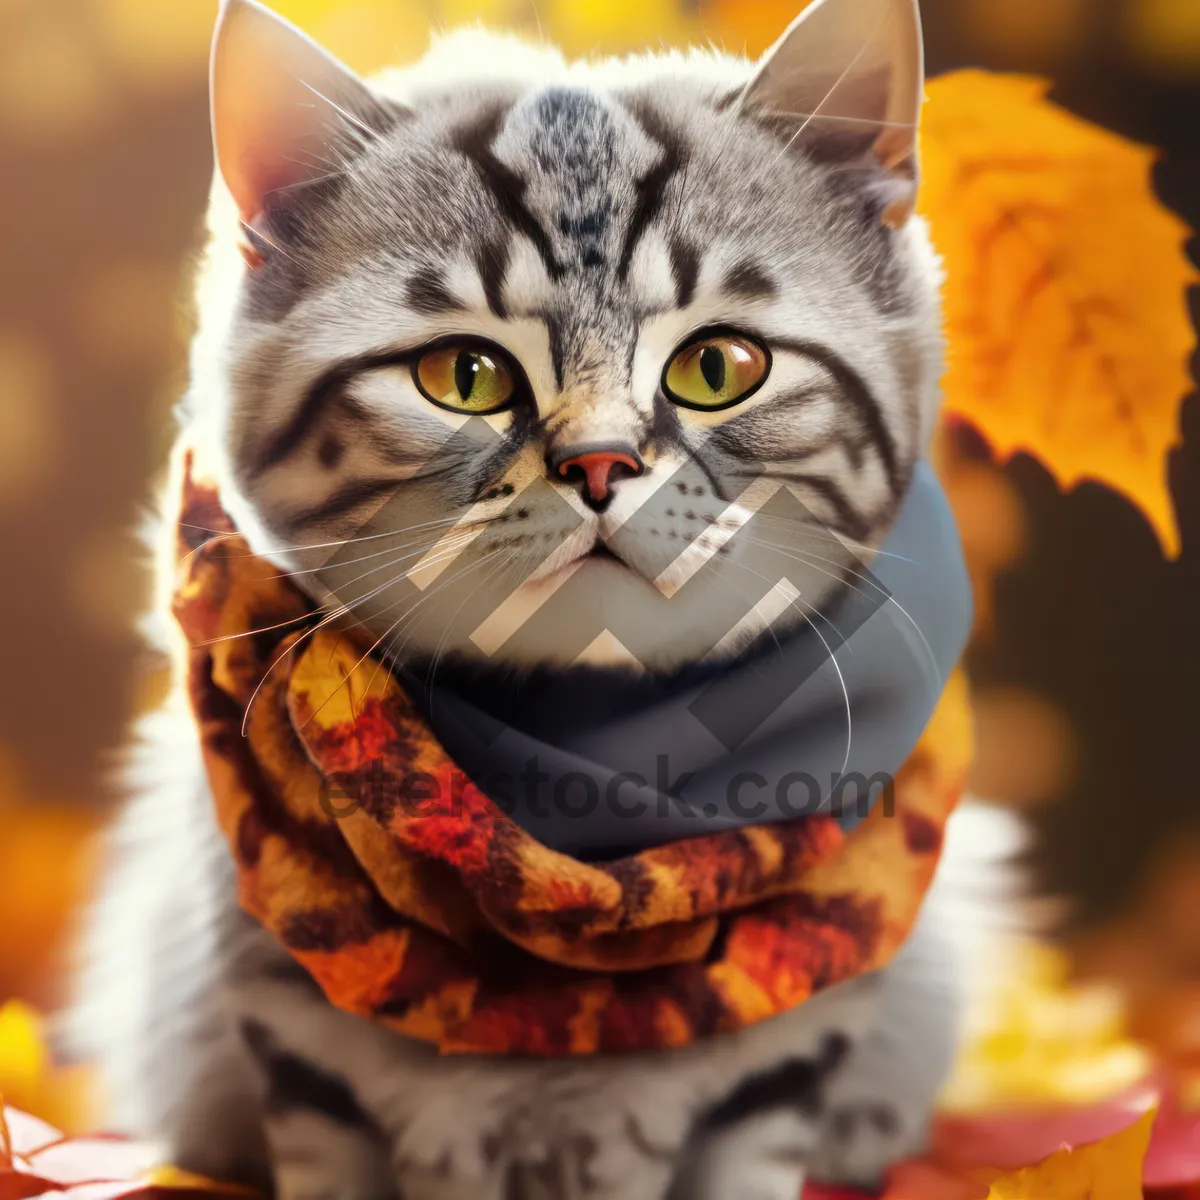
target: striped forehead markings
651 187
506 187
573 144
573 140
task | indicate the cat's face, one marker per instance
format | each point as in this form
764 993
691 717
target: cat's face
518 349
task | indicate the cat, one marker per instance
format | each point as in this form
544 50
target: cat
608 271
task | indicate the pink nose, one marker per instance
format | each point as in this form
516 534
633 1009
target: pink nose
600 468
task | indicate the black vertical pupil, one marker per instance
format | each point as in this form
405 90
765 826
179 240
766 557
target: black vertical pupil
466 367
712 367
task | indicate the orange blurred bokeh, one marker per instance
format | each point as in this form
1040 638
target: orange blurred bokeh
105 156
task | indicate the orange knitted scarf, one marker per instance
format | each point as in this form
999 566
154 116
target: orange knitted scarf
449 923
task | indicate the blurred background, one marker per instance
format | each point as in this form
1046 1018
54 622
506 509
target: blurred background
1087 648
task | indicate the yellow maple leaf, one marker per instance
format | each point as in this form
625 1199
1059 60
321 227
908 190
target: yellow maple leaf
1106 1170
1065 302
1109 1169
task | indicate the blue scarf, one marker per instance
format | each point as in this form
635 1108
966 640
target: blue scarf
817 722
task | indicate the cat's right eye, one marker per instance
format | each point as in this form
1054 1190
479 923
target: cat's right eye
465 378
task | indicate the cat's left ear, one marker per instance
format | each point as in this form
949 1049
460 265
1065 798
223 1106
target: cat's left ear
845 82
283 109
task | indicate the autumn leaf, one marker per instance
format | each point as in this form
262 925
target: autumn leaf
1109 1169
1106 1170
36 1159
1065 300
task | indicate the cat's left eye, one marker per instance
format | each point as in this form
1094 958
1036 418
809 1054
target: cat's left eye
716 370
465 379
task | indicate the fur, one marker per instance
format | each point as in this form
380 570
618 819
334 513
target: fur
653 203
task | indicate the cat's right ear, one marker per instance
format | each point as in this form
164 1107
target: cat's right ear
845 83
281 105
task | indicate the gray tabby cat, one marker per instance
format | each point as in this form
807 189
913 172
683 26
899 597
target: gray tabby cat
610 264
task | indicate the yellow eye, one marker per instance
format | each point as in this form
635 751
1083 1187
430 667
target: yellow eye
716 371
464 380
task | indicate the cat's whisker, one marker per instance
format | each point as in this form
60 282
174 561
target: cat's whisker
441 643
820 533
345 562
816 612
305 616
258 233
719 565
793 602
333 616
308 161
220 536
250 633
409 611
367 537
342 610
529 558
537 20
298 547
303 183
872 122
217 533
887 597
816 112
683 183
447 554
361 125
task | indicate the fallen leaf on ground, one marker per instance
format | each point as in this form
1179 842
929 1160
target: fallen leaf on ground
36 1159
1107 1170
